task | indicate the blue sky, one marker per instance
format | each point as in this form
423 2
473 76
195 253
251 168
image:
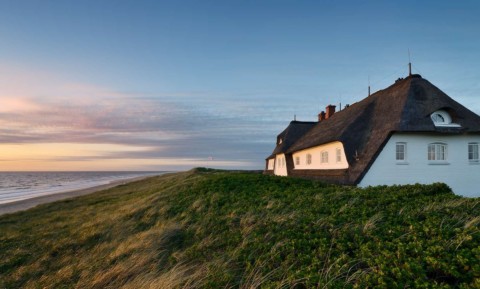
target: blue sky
151 85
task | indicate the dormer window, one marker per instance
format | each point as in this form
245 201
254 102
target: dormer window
442 118
438 118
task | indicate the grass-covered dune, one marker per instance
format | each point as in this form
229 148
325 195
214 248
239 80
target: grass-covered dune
212 229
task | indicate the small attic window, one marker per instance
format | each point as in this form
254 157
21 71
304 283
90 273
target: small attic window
280 141
442 118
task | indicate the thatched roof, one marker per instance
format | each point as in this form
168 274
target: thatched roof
365 127
294 131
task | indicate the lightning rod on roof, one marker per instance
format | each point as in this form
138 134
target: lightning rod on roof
409 64
369 85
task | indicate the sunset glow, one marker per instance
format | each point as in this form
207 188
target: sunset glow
160 85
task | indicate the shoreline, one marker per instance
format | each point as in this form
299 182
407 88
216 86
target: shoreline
26 204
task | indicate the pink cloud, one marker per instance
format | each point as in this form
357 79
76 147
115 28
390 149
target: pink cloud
18 104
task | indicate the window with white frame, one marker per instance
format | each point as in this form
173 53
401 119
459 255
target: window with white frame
339 155
473 152
309 159
442 118
297 161
401 151
437 152
324 157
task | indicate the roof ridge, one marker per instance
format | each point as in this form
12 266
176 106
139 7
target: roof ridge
301 121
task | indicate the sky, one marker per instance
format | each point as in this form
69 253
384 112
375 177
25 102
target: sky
170 85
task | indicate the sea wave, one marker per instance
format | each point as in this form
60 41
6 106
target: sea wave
17 186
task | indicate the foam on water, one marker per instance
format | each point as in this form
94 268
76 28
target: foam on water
16 186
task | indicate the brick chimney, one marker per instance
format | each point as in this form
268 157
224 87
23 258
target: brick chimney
330 109
321 116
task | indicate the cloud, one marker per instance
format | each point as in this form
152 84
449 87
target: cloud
15 104
193 129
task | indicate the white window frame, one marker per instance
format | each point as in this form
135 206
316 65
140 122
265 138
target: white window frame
309 159
442 118
473 152
401 156
437 152
324 157
297 161
338 155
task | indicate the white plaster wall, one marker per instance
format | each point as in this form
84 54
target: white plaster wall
316 157
271 164
457 172
280 165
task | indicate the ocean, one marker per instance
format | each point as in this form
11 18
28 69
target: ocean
16 186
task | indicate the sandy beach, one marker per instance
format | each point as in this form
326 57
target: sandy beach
32 202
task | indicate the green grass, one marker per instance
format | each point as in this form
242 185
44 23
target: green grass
214 229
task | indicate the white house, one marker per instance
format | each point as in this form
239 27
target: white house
410 132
